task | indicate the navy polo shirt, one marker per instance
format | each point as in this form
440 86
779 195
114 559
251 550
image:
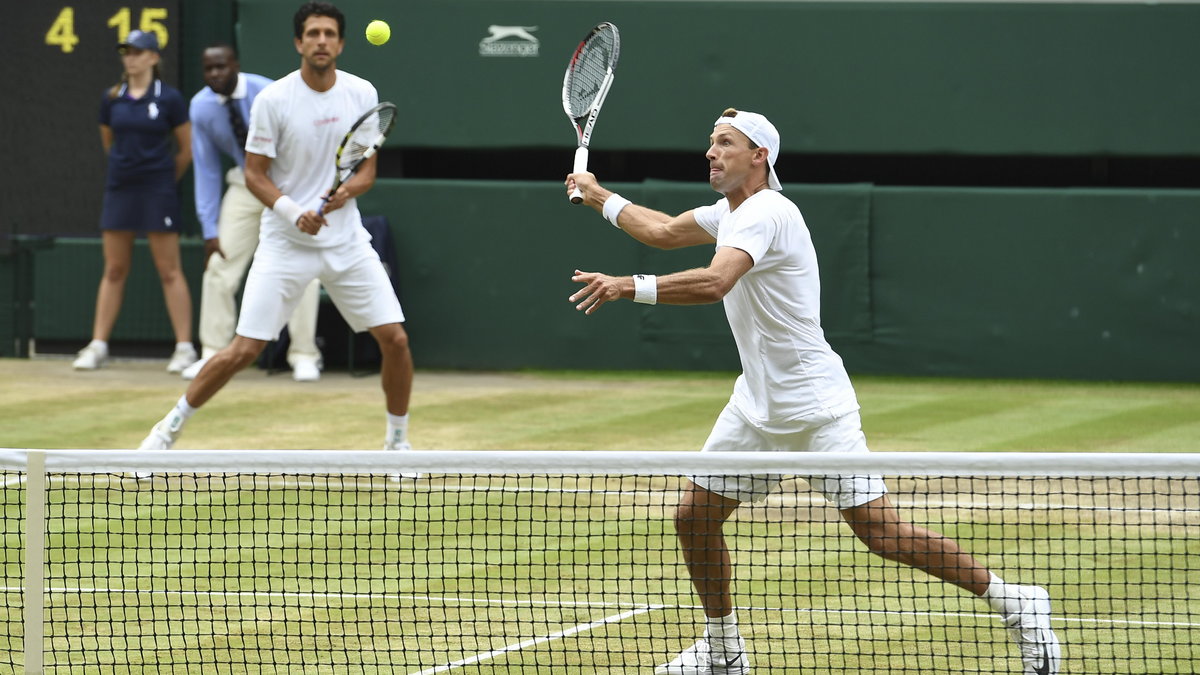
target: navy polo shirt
143 153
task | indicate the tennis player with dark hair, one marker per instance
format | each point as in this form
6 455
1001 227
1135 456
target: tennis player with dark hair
145 130
793 394
219 114
296 126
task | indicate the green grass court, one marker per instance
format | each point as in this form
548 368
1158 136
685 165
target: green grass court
360 575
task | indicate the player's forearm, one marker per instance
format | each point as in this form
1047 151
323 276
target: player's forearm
646 225
699 286
358 185
261 186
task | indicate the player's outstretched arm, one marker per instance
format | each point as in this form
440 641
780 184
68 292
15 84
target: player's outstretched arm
699 286
653 228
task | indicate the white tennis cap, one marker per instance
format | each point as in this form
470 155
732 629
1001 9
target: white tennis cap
760 130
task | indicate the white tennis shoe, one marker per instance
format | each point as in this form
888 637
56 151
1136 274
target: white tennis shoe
165 433
184 356
161 437
306 370
1030 629
702 659
402 446
90 358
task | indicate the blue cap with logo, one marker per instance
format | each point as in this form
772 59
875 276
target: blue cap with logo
140 39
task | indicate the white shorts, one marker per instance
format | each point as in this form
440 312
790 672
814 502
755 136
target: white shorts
731 433
352 274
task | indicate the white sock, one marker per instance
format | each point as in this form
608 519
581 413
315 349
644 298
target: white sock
100 346
722 632
180 414
184 408
1001 597
184 345
397 428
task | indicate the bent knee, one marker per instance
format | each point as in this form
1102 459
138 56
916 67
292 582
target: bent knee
243 351
394 341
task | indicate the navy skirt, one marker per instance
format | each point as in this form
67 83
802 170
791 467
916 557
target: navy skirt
141 209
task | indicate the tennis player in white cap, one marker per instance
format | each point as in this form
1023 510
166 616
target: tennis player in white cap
793 394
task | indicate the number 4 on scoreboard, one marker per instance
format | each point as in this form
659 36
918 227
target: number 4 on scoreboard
62 31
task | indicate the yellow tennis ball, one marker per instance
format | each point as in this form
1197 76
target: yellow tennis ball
378 32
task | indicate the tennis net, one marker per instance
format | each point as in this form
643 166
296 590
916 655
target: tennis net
534 562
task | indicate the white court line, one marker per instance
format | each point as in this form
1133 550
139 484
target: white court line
487 656
1115 621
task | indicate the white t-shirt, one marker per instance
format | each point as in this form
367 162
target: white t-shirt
790 375
300 130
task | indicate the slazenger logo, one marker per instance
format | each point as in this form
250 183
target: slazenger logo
509 41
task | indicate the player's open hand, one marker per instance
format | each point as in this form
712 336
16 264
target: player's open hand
597 290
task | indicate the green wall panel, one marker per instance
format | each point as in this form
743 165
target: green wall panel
67 275
986 283
486 267
1035 283
845 77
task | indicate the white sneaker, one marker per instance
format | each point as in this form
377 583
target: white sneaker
400 447
90 358
164 434
306 370
193 370
701 659
1030 629
184 356
161 437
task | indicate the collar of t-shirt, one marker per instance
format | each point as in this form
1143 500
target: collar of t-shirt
157 87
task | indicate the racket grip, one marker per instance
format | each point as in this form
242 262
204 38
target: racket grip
581 160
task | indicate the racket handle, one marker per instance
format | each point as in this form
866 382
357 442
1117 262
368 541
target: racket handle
321 208
581 159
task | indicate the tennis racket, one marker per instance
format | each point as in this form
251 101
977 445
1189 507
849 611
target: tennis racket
589 75
363 140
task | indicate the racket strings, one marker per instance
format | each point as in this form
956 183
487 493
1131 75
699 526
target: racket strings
589 70
370 133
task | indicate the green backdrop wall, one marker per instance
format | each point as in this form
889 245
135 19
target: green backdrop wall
1016 283
835 77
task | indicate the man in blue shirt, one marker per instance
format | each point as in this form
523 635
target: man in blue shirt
219 114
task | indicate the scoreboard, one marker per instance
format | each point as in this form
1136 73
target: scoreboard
61 57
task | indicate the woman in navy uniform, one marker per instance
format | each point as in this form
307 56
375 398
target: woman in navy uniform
139 117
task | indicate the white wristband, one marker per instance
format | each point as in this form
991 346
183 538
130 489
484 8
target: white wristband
645 289
288 209
613 206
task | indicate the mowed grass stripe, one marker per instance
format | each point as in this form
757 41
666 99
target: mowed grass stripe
607 419
1046 423
1117 428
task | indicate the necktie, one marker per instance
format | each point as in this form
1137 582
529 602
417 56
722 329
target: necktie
238 124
